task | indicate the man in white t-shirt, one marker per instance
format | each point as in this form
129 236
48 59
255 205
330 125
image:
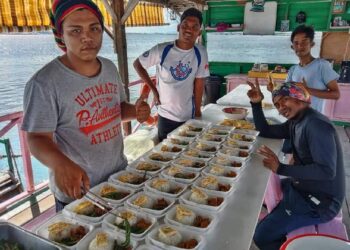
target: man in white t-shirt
182 66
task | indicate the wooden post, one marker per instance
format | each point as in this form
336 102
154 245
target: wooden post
121 49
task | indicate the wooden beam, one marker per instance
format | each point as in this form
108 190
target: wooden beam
110 10
121 49
129 8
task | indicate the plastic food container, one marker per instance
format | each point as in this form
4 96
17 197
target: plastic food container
220 180
170 218
204 146
165 173
97 189
173 185
233 153
147 247
179 140
115 178
138 164
109 222
230 144
247 132
235 113
210 170
190 164
162 157
69 211
185 199
195 125
219 130
186 235
168 147
197 155
23 238
209 138
120 238
42 230
242 138
236 164
154 197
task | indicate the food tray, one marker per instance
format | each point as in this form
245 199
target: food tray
177 162
133 167
233 153
165 174
206 172
114 179
228 162
184 199
96 190
173 184
220 181
168 144
212 147
203 156
219 130
168 156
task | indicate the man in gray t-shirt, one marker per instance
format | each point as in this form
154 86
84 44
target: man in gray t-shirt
73 106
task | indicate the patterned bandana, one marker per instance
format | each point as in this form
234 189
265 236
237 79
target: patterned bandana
62 8
292 89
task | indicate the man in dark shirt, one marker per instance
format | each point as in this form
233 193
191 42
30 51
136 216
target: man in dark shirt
315 189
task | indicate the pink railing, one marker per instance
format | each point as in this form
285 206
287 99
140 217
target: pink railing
15 119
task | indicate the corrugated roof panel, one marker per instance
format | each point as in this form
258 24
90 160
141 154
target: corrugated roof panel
29 15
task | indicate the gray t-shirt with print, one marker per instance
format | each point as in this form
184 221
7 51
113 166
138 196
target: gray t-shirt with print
84 114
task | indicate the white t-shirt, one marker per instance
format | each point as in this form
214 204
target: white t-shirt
176 74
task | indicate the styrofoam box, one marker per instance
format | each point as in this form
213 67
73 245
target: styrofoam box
114 179
206 172
165 174
170 218
232 153
228 162
195 145
176 163
204 156
184 199
197 123
120 238
186 235
133 167
168 144
154 197
42 229
168 156
220 181
69 211
173 184
96 190
109 221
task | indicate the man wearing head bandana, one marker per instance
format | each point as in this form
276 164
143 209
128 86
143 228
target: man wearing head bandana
73 106
314 191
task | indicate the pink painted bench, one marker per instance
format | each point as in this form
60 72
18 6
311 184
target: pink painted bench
274 194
